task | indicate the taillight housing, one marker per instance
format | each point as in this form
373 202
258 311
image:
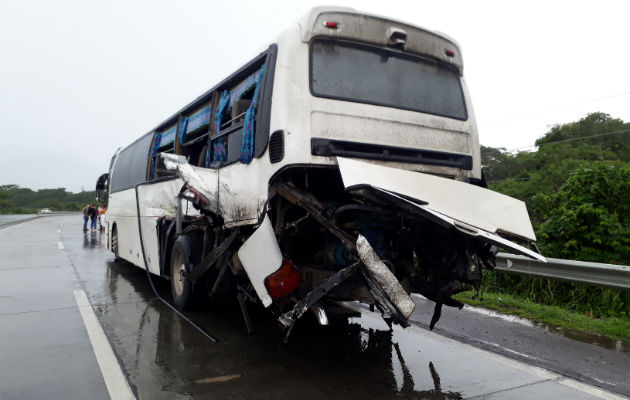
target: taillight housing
284 281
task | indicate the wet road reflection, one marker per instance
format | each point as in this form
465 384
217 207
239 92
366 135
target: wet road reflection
357 356
92 239
588 337
354 357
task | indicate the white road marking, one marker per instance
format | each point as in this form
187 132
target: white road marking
115 380
486 312
60 245
224 378
508 350
593 391
508 318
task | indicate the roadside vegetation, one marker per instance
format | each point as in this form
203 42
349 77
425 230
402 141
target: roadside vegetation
611 327
576 185
17 200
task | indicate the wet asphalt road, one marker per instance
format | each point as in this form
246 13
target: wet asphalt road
46 353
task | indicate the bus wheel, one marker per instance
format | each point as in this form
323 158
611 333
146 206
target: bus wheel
181 262
114 243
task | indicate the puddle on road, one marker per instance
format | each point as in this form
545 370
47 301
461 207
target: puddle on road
586 337
354 357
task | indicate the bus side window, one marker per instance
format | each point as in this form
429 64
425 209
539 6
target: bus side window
234 121
193 135
130 167
163 142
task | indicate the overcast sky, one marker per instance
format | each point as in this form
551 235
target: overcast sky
78 79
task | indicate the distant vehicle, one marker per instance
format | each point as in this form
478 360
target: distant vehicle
342 163
45 211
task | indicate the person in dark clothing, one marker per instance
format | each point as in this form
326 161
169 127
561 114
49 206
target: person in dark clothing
85 217
93 213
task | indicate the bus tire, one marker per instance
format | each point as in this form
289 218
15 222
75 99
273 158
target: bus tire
182 256
114 244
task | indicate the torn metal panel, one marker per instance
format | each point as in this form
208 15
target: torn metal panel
161 200
155 201
385 278
470 230
472 205
261 257
202 182
288 319
242 200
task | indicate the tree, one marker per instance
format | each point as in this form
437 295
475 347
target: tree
599 130
17 200
589 216
532 176
5 202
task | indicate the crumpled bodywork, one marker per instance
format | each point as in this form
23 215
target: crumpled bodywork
258 267
360 232
203 182
465 203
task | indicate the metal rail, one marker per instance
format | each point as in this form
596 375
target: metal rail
605 275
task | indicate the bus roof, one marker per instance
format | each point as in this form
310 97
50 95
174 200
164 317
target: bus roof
350 24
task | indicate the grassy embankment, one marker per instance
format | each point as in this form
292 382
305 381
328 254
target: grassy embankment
616 325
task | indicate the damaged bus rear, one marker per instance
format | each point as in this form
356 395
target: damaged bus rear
341 164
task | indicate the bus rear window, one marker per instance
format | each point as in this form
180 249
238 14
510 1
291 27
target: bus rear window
374 76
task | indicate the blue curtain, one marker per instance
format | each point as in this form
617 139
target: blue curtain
182 130
222 108
247 143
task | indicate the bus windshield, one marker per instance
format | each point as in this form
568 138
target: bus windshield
375 76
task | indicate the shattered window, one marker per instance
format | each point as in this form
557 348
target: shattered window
377 76
234 121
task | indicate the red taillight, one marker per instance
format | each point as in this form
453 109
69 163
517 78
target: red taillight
283 281
449 52
331 25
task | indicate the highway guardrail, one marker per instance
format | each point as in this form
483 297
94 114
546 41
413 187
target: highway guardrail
599 274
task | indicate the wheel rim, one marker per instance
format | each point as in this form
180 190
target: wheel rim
177 272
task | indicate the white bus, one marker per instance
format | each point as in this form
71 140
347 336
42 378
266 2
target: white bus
342 163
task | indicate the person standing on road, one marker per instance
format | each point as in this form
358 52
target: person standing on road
93 213
85 217
101 211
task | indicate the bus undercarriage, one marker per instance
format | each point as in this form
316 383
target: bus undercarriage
324 243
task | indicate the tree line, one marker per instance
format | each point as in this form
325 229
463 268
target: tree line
18 200
576 186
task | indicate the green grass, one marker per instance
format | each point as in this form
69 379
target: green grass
612 327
